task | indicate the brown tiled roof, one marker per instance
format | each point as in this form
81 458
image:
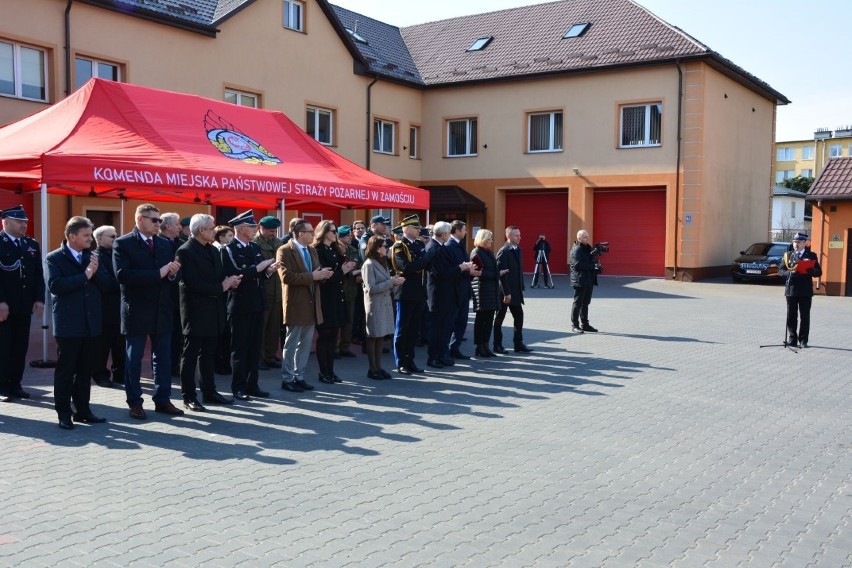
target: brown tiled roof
528 41
834 183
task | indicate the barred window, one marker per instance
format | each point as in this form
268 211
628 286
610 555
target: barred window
641 125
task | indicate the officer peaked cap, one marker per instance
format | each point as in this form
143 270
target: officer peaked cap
246 218
17 213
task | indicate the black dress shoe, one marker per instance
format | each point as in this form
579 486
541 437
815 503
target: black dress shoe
19 393
385 374
88 418
448 362
241 395
291 386
304 385
66 424
500 350
456 354
375 375
803 344
521 348
482 353
576 329
329 380
258 393
336 379
435 363
404 370
5 397
588 327
194 405
414 368
216 398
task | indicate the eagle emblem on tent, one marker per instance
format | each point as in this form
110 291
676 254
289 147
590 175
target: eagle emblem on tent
235 144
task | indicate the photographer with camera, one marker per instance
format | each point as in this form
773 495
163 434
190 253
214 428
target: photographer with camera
584 277
542 267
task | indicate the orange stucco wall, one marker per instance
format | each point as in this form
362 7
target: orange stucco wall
828 229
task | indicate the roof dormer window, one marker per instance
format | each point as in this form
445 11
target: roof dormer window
480 43
576 30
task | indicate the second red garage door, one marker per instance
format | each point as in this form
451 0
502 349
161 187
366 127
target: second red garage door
634 223
534 214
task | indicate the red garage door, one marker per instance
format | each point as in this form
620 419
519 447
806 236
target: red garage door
534 214
634 223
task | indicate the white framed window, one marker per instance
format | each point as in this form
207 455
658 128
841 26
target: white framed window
319 124
807 173
781 175
384 133
785 154
86 68
807 152
242 98
461 137
294 15
23 71
641 125
414 142
792 209
544 132
835 151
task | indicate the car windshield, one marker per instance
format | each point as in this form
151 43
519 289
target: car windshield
777 250
757 249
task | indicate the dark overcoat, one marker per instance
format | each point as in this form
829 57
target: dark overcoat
332 301
441 279
583 273
21 274
796 283
486 293
513 281
146 298
202 300
111 294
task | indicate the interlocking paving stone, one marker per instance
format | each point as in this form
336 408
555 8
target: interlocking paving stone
670 438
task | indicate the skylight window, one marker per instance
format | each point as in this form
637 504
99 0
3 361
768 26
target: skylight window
576 30
356 36
480 43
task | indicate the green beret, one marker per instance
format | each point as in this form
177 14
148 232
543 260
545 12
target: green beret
270 222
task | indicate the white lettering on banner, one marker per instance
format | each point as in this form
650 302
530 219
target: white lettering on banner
127 175
239 183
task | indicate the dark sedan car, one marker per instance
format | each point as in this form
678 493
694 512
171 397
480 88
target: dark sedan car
759 262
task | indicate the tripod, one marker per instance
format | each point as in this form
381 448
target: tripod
786 344
542 267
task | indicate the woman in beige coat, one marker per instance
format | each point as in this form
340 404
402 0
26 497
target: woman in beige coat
377 302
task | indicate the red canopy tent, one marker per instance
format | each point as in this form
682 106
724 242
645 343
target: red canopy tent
117 139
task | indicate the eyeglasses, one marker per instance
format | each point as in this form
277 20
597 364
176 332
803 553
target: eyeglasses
156 220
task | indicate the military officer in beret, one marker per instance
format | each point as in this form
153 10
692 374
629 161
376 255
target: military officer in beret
409 260
352 291
185 233
268 241
21 290
246 304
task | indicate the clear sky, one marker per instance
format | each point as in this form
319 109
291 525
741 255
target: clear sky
802 48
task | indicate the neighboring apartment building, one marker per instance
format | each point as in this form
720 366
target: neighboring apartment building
587 114
807 158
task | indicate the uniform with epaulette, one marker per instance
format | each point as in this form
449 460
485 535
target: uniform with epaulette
246 303
21 287
270 355
409 259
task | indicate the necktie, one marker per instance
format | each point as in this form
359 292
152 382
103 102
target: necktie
307 256
150 242
18 243
79 257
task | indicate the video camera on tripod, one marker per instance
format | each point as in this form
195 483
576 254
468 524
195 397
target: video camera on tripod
597 250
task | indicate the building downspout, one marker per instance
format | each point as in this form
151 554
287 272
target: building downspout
677 165
823 242
68 48
369 111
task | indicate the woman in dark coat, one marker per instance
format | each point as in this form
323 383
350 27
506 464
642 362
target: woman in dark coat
486 293
332 301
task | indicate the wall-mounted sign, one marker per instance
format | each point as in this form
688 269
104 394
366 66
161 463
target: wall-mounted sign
835 244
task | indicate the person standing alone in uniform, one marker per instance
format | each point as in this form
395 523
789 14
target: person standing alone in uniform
21 290
799 267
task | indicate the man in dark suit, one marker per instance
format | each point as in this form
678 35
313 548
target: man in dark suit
75 284
246 302
111 342
442 294
145 267
455 245
409 260
21 290
512 287
203 286
170 229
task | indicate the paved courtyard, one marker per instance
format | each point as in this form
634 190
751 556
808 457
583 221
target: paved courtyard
670 438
